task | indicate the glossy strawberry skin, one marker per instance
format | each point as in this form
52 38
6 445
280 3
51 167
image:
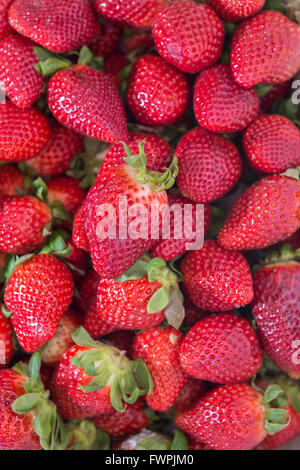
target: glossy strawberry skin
236 11
24 132
22 221
246 229
209 165
139 39
114 64
158 93
189 394
229 417
6 341
88 102
187 35
221 348
217 279
159 348
265 50
12 181
57 26
78 235
107 40
220 104
5 28
87 290
67 190
277 440
92 325
272 144
38 293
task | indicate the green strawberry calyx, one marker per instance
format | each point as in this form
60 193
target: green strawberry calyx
108 366
283 255
275 402
158 441
82 434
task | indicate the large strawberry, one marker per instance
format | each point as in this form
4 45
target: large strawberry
93 324
23 132
88 102
220 104
6 341
158 93
38 292
58 26
265 50
236 11
209 165
5 28
266 213
12 181
221 348
159 348
217 279
188 35
272 144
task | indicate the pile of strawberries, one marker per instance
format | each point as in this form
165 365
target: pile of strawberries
119 339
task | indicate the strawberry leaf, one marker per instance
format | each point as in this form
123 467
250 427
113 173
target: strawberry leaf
179 441
26 402
158 301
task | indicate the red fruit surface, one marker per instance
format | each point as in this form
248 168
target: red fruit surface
87 290
277 440
188 35
5 28
6 342
114 64
79 236
265 50
217 279
189 394
235 11
11 180
192 313
138 39
122 340
106 41
209 165
280 90
68 191
158 93
220 104
91 323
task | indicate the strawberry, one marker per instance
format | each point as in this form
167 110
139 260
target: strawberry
220 104
6 341
137 39
87 290
158 94
266 213
173 246
55 25
192 313
114 64
20 81
217 279
280 90
12 181
77 260
236 11
134 14
265 50
38 293
22 223
209 165
5 28
233 417
24 132
272 144
159 348
189 394
95 328
67 191
221 348
106 41
187 35
194 444
97 109
62 340
55 158
121 339
93 379
79 236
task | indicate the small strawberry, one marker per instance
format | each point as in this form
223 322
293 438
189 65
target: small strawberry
138 39
158 94
114 64
79 236
272 144
159 348
265 50
106 41
217 279
93 378
12 181
67 191
192 313
97 109
266 213
6 341
209 165
280 90
5 28
87 290
55 25
220 104
189 394
38 293
221 348
236 11
24 132
188 35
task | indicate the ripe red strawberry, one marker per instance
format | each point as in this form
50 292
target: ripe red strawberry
134 14
159 348
87 290
22 221
138 39
12 181
194 444
62 340
293 241
265 49
266 213
114 64
38 293
55 158
19 79
5 28
158 93
272 144
236 11
173 245
91 380
220 104
217 279
24 132
189 394
192 313
55 25
188 35
209 165
97 109
95 328
6 341
221 348
106 41
79 236
280 90
68 191
77 261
